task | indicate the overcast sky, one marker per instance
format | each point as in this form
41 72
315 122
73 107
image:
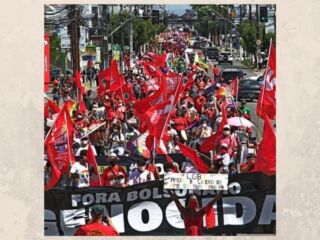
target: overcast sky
178 9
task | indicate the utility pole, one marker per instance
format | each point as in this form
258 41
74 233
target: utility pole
257 36
122 41
131 42
105 22
75 34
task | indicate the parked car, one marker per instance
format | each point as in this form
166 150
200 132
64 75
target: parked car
225 57
212 53
258 78
228 74
248 89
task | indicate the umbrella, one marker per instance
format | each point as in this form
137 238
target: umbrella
240 121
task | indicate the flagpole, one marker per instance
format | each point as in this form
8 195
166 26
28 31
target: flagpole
69 145
264 81
165 123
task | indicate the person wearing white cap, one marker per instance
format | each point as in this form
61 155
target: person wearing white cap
223 159
230 140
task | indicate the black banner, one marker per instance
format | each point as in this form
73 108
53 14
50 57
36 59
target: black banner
146 209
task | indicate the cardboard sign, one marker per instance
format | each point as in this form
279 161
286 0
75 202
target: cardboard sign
196 181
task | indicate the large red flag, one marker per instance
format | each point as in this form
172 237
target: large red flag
104 81
55 172
267 98
210 142
151 70
116 81
95 179
126 92
61 135
266 153
196 160
110 78
157 98
160 60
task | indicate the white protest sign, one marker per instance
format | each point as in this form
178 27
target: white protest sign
196 181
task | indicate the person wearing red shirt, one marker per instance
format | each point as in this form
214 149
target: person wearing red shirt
192 214
100 225
114 175
216 71
180 125
200 101
230 140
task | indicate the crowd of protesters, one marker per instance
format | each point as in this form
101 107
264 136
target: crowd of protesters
197 116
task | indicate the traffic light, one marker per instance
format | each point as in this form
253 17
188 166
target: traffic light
263 14
155 16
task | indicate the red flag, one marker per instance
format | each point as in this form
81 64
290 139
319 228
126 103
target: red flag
157 98
234 87
110 78
151 70
196 160
82 107
266 153
95 179
267 98
153 114
210 142
126 92
160 60
46 62
49 108
116 81
104 81
55 172
210 218
61 135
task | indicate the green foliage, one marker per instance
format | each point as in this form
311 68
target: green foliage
143 30
266 40
55 51
248 63
248 33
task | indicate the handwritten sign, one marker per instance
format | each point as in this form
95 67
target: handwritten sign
196 181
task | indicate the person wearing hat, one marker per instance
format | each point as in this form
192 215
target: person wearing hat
230 140
114 175
116 140
84 145
100 225
79 172
223 159
140 174
205 131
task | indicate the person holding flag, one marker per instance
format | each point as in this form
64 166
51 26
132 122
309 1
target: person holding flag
192 214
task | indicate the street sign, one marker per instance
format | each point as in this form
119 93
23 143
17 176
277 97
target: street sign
95 33
258 42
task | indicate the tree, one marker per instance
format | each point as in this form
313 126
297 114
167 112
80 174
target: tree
55 50
248 33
